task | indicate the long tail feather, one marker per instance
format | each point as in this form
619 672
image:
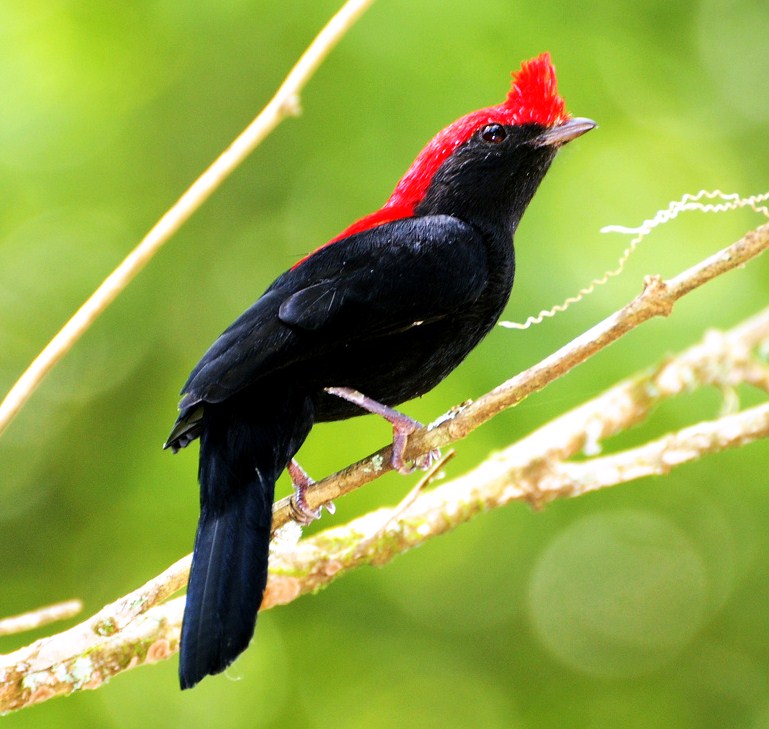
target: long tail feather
242 452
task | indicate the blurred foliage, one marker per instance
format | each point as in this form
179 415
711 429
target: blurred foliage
644 606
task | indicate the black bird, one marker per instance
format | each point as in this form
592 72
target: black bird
388 309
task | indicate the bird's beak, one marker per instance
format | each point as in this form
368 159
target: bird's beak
564 132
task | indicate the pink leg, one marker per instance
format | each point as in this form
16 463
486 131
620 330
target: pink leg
300 511
403 427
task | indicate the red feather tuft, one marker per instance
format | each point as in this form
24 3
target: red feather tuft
533 99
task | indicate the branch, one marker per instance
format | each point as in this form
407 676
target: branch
657 299
658 457
118 637
285 103
136 629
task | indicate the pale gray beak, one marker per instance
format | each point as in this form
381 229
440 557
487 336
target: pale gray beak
564 132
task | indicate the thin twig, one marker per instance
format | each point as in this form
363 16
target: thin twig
395 513
40 617
285 103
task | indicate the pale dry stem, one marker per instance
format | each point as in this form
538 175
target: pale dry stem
40 617
285 103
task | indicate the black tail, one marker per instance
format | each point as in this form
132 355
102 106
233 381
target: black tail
243 449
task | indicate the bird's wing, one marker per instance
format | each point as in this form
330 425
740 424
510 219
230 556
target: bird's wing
391 277
372 284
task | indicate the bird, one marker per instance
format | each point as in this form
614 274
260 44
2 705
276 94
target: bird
378 315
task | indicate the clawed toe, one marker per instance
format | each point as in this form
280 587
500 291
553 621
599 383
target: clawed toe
301 512
403 427
426 460
300 509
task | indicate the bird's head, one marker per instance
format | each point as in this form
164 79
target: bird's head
485 167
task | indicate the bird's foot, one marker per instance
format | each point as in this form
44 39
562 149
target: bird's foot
426 460
300 509
403 427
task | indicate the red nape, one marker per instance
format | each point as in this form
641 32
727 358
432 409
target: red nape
533 99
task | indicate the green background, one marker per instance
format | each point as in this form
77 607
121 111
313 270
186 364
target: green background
641 606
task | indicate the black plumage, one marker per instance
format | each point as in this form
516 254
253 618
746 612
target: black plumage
388 310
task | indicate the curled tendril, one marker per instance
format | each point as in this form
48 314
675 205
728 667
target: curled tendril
728 201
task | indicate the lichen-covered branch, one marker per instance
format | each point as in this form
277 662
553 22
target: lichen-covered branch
137 629
109 642
82 658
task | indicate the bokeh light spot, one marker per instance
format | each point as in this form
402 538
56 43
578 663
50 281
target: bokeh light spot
618 594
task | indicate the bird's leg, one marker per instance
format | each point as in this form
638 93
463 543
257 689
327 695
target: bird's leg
403 427
301 481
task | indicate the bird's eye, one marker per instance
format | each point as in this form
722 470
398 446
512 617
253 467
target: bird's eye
493 133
